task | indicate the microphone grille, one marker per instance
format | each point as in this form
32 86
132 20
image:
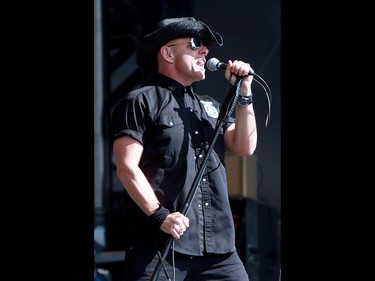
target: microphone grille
212 64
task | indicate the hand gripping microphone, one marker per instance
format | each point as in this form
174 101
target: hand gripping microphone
214 64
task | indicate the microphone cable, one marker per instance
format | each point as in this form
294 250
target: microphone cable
268 94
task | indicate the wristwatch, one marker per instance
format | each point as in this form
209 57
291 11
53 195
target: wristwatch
245 100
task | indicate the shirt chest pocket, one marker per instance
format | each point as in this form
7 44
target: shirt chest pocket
167 128
169 121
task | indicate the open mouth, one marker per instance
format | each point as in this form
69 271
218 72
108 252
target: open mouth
201 63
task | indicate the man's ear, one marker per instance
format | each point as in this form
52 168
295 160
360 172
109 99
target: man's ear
167 54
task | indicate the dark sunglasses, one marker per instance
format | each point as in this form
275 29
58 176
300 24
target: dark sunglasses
194 43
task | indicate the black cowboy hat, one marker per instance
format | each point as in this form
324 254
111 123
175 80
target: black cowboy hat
169 29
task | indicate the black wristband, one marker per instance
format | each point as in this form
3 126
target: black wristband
156 219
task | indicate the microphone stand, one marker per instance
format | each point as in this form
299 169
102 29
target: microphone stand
225 112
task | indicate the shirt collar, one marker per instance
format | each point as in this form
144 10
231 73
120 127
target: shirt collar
173 85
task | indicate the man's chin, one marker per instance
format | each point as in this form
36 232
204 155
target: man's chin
201 74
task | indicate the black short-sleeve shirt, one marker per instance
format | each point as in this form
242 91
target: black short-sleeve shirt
176 126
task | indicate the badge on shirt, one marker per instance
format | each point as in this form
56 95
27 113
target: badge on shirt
210 109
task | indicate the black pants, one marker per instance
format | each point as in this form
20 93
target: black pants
141 261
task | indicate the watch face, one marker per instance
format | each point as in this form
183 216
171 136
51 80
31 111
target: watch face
244 101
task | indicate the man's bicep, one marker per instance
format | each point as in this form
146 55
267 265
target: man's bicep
127 150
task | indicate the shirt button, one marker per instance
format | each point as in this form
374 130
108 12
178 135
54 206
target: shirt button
206 204
204 180
200 156
191 110
196 132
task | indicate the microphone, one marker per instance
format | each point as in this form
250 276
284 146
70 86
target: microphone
214 64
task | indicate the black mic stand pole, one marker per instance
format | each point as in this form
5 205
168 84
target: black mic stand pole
225 112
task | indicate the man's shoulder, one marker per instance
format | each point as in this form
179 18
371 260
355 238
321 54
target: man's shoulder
142 90
207 98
